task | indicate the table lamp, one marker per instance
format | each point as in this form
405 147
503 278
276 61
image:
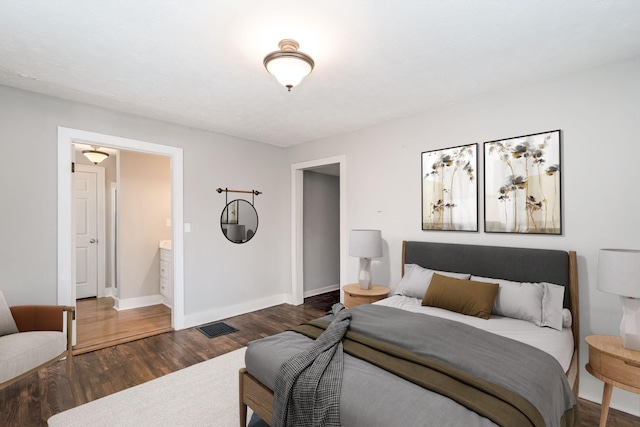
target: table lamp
365 244
619 273
236 233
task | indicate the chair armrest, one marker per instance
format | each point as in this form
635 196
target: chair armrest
39 317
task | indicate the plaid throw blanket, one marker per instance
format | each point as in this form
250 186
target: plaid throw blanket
307 391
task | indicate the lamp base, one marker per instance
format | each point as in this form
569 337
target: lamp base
630 325
364 277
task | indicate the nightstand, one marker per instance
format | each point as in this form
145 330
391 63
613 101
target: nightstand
617 366
354 296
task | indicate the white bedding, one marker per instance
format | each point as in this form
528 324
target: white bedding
558 344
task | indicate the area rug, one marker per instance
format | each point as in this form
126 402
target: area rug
205 394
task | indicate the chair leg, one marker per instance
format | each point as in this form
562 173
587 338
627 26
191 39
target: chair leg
70 314
69 363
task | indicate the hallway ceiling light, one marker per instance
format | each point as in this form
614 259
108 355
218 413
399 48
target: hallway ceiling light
94 155
287 64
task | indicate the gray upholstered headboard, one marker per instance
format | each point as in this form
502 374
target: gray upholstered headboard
517 264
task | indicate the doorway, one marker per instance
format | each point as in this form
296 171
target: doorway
339 167
321 230
132 304
66 242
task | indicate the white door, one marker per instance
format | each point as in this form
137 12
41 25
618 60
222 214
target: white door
86 225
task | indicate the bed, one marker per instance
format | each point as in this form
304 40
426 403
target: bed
394 400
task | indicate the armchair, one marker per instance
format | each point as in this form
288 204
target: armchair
32 337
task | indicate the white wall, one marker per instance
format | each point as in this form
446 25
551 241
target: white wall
598 112
144 206
217 281
321 224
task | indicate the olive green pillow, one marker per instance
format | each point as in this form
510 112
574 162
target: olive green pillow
462 296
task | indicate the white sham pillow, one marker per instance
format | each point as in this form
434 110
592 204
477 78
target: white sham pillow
567 319
518 300
408 269
416 280
552 306
538 303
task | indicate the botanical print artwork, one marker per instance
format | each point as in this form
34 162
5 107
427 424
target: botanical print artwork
450 189
522 184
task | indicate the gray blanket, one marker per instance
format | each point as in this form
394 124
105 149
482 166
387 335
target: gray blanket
373 397
525 370
307 391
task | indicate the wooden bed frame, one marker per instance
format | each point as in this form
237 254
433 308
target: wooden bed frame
260 398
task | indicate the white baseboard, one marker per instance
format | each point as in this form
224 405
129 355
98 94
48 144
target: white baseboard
222 313
110 292
314 292
126 304
168 301
288 299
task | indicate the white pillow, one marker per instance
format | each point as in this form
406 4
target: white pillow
408 269
567 319
416 280
7 324
518 300
552 306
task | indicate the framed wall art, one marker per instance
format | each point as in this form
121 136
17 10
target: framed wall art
450 189
522 185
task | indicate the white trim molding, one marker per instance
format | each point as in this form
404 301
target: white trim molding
214 315
66 243
137 302
297 185
320 291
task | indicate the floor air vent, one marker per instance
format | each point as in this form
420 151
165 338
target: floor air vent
217 329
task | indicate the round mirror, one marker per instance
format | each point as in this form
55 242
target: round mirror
239 221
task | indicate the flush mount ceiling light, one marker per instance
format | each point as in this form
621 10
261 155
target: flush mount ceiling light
288 65
94 155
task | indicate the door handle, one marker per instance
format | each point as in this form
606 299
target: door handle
92 241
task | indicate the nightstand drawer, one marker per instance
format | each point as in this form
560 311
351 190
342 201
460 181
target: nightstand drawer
352 300
614 369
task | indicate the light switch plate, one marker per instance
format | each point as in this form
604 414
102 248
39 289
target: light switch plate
187 227
167 222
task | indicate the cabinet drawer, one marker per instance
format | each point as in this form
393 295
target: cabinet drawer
165 255
166 269
615 369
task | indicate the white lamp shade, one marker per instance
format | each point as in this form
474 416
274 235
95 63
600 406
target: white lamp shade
95 156
365 243
619 272
289 71
236 233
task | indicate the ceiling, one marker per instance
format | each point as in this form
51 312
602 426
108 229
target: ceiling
199 62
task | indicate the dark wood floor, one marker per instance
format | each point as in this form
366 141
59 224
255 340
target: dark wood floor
324 301
31 401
